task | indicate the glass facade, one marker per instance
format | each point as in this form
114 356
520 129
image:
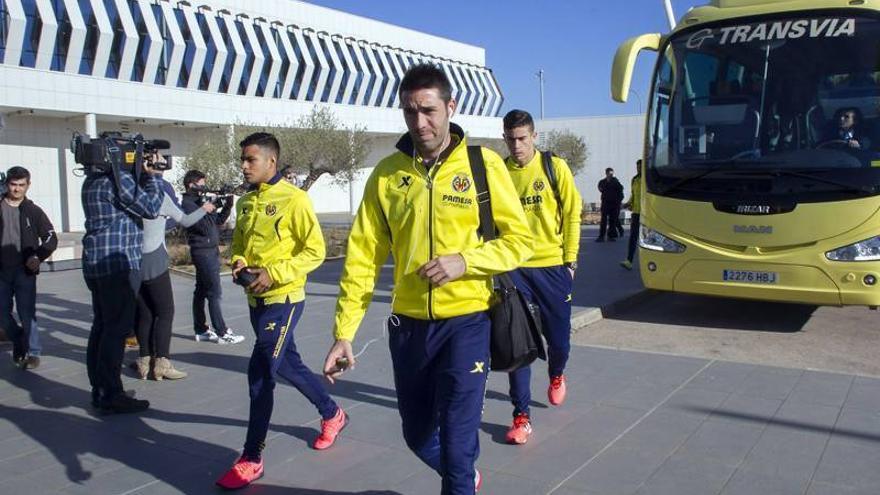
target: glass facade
329 68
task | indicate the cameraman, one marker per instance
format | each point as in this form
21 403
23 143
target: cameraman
27 238
204 244
115 205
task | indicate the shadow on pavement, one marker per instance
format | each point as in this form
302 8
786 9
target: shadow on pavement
360 392
791 424
714 312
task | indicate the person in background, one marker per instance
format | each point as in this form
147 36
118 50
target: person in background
27 238
634 204
611 191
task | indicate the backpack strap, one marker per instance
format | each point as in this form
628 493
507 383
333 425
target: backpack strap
547 163
484 202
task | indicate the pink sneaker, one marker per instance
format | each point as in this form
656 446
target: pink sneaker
330 429
520 431
556 390
242 474
478 480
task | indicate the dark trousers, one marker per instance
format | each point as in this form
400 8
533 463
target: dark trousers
275 355
114 299
207 263
633 236
155 315
440 370
610 220
22 287
550 289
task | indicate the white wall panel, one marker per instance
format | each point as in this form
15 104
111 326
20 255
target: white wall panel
77 37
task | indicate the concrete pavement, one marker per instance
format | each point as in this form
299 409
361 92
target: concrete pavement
634 423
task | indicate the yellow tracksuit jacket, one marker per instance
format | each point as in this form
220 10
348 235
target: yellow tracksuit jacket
276 229
417 215
554 244
635 199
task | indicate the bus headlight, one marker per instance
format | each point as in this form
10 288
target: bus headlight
655 241
867 250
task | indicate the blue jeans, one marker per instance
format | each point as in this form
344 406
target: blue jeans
23 287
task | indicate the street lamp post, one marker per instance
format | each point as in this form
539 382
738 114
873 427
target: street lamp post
540 75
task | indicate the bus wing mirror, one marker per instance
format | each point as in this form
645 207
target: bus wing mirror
625 61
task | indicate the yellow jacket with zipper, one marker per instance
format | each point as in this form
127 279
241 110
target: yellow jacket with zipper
419 214
556 227
276 229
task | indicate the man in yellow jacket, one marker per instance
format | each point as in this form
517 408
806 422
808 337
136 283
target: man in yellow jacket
276 242
635 206
420 205
552 204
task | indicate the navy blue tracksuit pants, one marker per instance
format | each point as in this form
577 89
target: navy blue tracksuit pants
275 355
440 371
550 289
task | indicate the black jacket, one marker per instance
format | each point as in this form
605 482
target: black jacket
38 236
611 189
205 234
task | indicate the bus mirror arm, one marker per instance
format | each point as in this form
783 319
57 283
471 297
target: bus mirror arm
625 61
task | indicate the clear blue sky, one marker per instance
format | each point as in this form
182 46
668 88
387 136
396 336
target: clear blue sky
572 40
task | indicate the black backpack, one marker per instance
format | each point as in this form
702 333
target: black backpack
516 323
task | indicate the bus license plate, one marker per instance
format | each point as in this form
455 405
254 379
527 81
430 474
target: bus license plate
750 277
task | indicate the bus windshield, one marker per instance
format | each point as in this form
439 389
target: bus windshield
772 106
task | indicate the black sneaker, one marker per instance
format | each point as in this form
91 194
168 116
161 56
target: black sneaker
122 404
18 353
600 239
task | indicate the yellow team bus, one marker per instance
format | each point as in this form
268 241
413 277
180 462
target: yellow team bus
762 151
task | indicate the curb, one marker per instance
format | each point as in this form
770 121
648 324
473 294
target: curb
589 316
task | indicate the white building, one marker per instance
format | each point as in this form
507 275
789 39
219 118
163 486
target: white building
612 141
173 69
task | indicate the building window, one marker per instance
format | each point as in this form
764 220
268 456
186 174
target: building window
338 45
277 33
144 40
325 94
313 84
301 68
118 47
385 77
189 49
395 78
167 45
267 62
226 81
4 28
90 48
210 51
62 40
32 29
248 61
359 70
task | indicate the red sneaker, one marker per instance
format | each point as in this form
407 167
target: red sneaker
478 480
330 429
242 474
556 390
521 429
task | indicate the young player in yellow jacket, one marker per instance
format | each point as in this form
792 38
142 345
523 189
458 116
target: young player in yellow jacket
277 241
420 206
553 210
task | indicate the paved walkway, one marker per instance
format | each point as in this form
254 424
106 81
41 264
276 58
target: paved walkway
634 423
